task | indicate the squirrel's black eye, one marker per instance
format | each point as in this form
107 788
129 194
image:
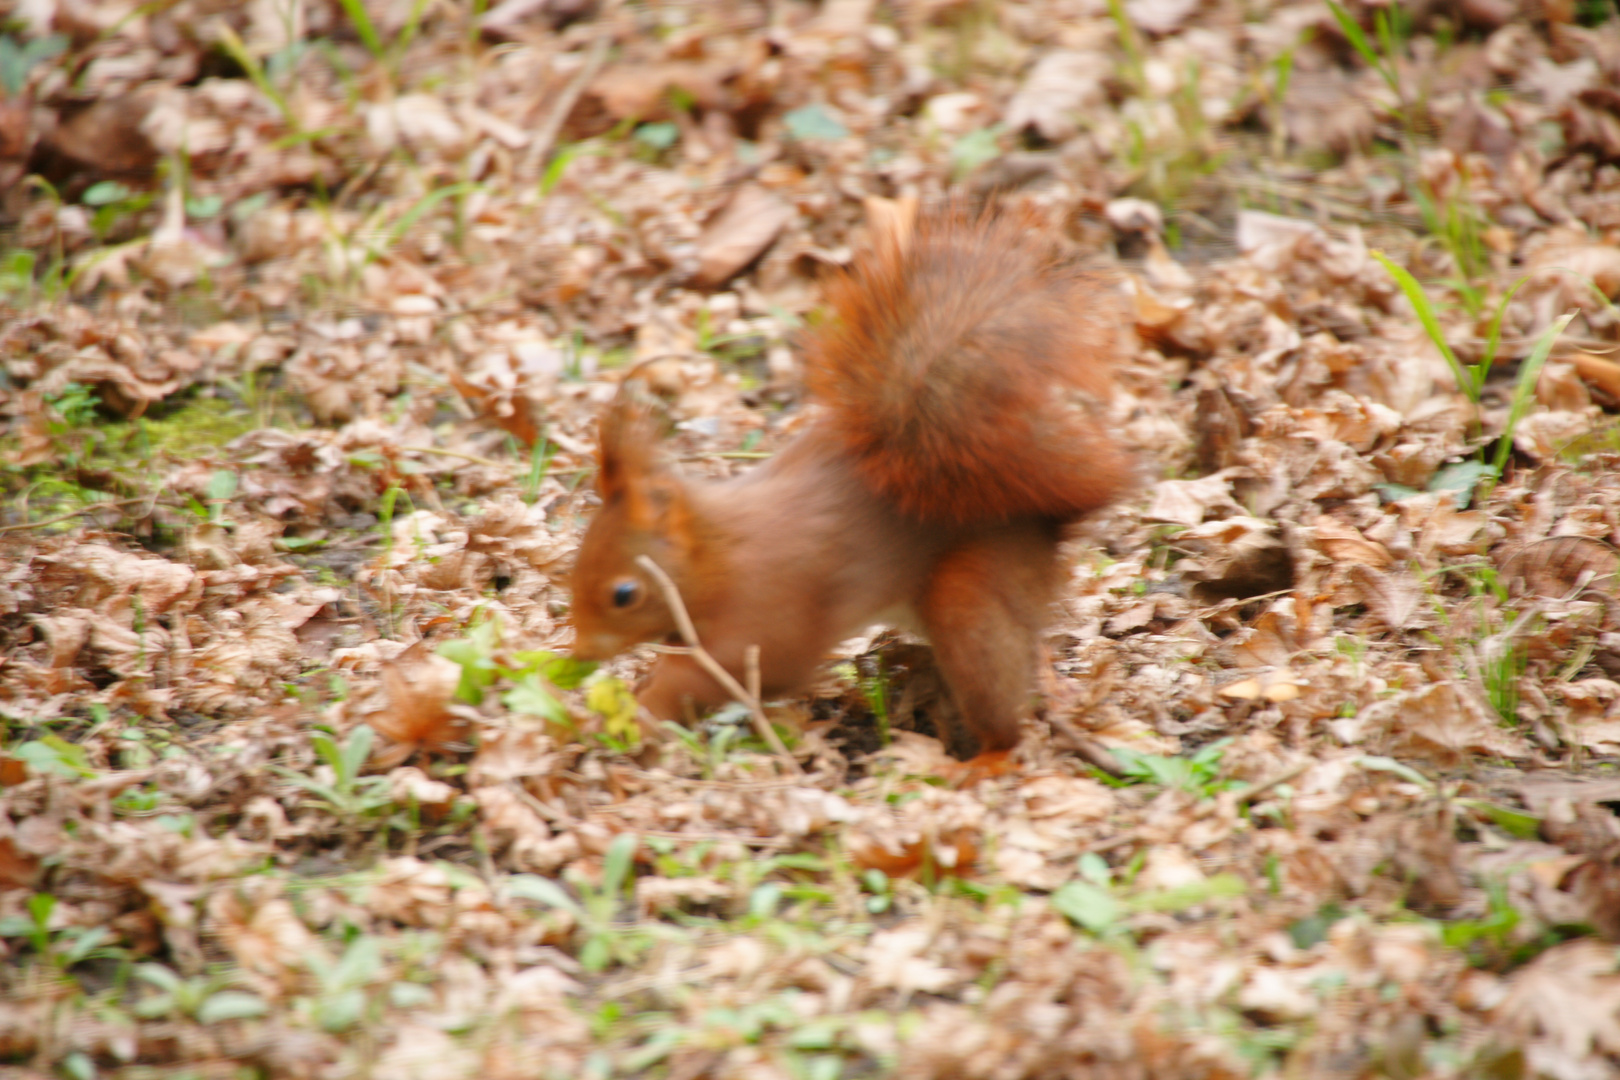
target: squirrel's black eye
625 593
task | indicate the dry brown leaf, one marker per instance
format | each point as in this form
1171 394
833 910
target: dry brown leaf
1395 599
747 226
1346 545
1565 1002
1236 558
420 685
1446 721
1560 565
1186 502
1062 86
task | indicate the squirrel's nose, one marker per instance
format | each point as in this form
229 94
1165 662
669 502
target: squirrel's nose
594 646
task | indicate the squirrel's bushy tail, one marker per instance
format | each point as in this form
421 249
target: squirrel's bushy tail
966 368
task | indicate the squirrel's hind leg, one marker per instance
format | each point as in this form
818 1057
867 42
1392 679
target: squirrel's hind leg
984 607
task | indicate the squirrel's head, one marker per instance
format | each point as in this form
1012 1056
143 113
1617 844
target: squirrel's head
645 511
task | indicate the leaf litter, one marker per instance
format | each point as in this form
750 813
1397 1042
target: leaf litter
306 312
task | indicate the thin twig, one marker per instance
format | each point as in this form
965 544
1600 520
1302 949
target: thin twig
717 838
546 136
1089 750
776 784
491 462
683 622
474 458
1249 794
107 505
751 669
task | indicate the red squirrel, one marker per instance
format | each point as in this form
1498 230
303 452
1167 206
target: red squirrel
961 377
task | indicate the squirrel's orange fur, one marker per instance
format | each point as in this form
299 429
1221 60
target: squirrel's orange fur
961 376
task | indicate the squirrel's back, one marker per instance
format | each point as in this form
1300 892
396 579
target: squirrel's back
966 369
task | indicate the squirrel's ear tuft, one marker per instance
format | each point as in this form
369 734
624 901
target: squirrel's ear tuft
624 450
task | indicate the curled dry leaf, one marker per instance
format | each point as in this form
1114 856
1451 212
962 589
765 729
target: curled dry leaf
1600 372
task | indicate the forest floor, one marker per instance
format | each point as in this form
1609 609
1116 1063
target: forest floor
307 309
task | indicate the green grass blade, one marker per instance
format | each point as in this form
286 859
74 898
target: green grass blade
1431 326
1526 388
413 215
1358 40
616 863
357 750
1493 340
413 23
361 18
255 73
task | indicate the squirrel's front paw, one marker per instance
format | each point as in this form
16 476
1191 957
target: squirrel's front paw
986 766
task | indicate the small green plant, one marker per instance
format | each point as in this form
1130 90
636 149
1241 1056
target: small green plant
76 405
1471 378
1459 225
114 204
879 890
653 140
1168 161
534 675
727 348
1501 665
255 71
561 158
1098 903
596 912
1130 44
20 275
1516 823
62 948
1487 937
349 794
343 985
725 732
876 691
203 997
17 59
1455 221
1198 774
612 699
53 755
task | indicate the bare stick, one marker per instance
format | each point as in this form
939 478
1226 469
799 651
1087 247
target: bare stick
683 622
546 137
110 504
1250 794
751 669
1089 750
